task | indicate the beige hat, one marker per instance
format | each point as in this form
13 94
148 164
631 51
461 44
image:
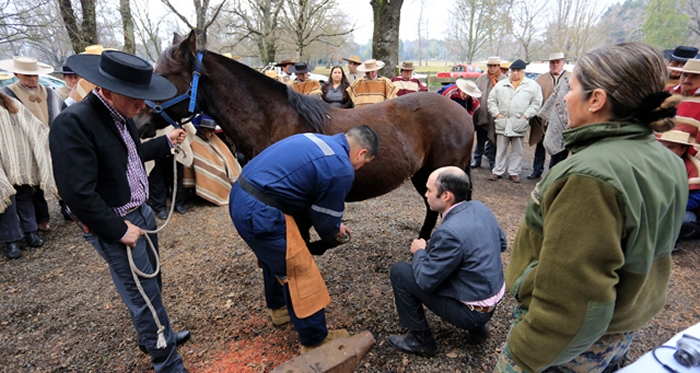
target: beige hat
25 66
93 49
494 61
354 58
229 55
505 65
677 137
271 74
555 56
692 66
370 65
406 65
468 87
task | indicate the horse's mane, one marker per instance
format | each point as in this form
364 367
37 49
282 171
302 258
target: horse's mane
313 110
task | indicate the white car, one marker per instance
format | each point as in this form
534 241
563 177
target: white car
48 81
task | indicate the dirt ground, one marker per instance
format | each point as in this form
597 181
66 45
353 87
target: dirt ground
61 313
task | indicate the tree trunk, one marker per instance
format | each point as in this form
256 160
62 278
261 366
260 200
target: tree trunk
81 35
385 41
128 23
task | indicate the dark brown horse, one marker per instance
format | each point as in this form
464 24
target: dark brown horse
418 132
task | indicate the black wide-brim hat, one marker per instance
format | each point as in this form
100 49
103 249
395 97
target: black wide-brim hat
122 73
301 67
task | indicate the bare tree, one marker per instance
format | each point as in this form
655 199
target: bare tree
470 25
203 19
310 21
150 34
128 26
82 31
422 30
527 17
385 40
257 21
693 9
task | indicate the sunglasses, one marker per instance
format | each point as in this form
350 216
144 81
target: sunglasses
493 65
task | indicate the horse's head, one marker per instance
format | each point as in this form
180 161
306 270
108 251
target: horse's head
177 64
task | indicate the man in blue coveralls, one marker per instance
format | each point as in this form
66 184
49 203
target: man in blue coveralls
306 176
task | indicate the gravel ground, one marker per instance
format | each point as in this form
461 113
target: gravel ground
61 313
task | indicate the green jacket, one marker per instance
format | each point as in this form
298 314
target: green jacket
593 255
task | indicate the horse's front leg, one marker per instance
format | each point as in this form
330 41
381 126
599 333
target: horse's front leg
317 247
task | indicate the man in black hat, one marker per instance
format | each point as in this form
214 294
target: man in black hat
302 83
677 58
99 172
71 79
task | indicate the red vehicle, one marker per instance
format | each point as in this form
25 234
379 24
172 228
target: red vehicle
461 70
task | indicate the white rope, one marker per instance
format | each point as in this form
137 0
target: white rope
136 272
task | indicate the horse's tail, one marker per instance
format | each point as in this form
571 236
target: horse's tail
468 170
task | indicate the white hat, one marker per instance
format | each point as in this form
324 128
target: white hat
494 61
370 65
468 87
555 56
25 66
692 66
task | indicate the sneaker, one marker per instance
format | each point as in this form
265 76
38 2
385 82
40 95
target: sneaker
332 334
280 316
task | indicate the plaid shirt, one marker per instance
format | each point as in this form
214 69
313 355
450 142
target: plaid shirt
135 173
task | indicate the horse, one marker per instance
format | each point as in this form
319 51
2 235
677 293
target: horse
418 132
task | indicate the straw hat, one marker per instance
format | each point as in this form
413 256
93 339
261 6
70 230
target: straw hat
505 65
229 55
96 49
25 66
468 87
494 61
271 74
353 58
370 65
406 65
692 66
555 56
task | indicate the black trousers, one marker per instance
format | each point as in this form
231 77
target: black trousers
160 184
410 299
484 146
41 207
540 156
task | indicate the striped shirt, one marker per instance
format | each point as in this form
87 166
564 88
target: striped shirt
135 173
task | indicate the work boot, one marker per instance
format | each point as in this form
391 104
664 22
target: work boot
332 334
280 316
419 343
478 334
12 251
33 240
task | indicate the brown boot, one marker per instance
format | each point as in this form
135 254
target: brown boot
280 316
332 334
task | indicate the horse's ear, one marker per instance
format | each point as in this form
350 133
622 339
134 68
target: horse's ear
177 39
188 46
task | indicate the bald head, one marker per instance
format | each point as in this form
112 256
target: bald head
451 179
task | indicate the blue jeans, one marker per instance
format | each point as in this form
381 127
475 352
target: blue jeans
114 253
264 229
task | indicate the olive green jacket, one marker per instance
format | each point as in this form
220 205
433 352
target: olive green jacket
593 255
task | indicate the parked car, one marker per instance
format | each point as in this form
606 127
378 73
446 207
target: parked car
461 70
271 66
45 80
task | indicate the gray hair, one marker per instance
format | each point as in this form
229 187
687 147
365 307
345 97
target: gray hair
633 75
366 138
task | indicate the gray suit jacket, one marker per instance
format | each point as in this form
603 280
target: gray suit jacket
463 258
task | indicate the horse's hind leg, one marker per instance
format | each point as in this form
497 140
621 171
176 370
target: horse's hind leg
419 180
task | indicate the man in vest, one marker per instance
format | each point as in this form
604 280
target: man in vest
302 84
353 62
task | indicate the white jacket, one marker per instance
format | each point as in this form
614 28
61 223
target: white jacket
513 104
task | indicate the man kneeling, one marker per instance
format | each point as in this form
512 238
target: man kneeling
458 276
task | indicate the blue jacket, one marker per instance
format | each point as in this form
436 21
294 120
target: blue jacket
463 258
307 174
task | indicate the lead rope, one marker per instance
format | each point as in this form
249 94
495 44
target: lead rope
135 272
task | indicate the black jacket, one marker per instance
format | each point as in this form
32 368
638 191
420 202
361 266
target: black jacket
89 164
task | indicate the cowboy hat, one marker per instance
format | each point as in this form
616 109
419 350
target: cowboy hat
682 53
229 55
677 137
406 65
25 66
691 66
204 121
494 61
468 87
555 57
66 70
124 74
504 65
354 58
370 65
271 74
300 68
96 49
284 63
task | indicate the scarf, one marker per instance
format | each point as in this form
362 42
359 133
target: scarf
494 78
515 83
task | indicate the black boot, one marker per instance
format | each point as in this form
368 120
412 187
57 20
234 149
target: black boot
478 334
419 343
33 240
12 251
